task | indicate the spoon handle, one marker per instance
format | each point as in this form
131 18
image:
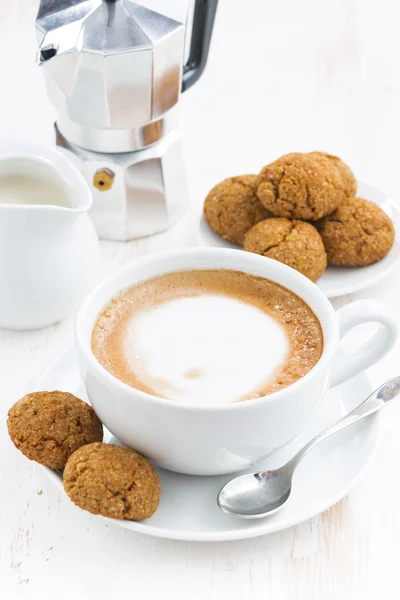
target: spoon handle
381 397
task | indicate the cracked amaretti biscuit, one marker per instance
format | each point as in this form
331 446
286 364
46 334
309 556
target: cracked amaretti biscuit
358 233
49 426
232 207
112 481
349 181
294 243
301 186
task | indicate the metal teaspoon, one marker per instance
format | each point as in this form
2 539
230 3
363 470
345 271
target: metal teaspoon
256 495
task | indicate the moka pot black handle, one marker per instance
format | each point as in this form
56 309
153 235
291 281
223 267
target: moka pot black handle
203 23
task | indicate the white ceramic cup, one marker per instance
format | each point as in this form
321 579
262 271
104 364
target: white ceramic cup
204 440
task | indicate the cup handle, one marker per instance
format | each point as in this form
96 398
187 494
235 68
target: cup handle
351 363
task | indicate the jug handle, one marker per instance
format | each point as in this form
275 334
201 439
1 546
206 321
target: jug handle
203 23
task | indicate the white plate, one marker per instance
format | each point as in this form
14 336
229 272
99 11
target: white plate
338 281
188 508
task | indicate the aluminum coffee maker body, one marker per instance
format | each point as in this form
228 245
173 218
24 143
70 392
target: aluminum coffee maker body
114 71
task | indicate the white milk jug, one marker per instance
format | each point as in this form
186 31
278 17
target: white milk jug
49 253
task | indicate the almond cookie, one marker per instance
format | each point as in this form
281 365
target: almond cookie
349 181
301 186
49 426
294 243
358 233
112 481
232 207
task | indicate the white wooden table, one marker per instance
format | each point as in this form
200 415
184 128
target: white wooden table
282 76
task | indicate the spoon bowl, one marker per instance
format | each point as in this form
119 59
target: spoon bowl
252 496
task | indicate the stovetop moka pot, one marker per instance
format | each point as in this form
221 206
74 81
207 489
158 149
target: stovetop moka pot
114 71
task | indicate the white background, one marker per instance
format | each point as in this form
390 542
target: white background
282 76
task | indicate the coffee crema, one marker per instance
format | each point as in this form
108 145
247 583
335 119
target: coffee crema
207 337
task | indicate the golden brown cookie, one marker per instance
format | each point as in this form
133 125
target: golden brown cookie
358 233
112 481
49 426
301 186
232 207
349 181
294 243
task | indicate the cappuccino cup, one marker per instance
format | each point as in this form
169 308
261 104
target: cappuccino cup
197 436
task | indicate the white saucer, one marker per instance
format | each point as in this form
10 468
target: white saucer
188 508
338 281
